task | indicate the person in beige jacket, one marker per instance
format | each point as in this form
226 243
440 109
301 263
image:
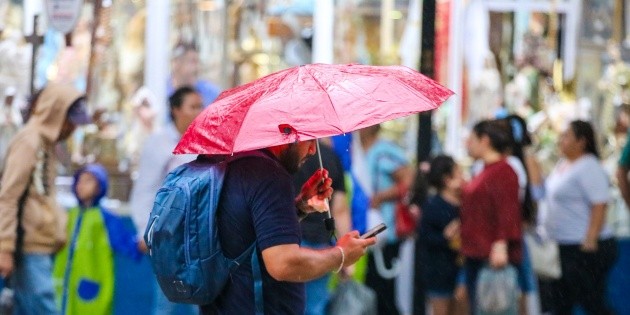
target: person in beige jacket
29 175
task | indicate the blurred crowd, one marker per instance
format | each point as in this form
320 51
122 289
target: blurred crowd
461 236
494 229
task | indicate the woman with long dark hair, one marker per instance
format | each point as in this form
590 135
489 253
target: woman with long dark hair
490 211
577 192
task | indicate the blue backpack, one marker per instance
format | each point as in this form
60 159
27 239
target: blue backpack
182 234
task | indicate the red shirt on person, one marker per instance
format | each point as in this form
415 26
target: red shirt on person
491 211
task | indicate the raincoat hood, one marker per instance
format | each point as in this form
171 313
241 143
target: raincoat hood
100 173
51 109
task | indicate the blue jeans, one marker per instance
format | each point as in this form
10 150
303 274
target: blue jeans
526 277
317 294
162 306
33 286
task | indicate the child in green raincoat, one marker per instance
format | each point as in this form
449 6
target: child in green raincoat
84 270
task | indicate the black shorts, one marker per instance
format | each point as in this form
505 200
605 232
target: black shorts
440 271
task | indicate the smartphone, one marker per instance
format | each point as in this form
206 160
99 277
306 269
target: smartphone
374 231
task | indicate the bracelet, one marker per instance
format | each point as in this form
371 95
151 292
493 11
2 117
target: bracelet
343 259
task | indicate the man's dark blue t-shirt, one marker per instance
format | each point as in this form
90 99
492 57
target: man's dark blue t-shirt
257 204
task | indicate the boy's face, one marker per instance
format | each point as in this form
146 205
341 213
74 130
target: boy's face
87 188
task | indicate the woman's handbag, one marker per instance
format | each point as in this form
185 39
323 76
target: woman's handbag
497 291
544 254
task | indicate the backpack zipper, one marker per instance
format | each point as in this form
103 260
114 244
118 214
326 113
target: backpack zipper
150 234
186 225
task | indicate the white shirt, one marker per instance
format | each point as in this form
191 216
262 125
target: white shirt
156 161
571 191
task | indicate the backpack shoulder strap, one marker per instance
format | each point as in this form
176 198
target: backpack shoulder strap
259 305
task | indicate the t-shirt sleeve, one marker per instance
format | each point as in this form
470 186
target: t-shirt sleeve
273 210
594 182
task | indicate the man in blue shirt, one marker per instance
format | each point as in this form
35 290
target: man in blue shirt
257 205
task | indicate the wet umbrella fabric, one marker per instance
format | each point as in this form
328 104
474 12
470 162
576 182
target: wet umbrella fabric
309 102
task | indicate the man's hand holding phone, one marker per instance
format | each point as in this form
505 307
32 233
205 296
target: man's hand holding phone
353 247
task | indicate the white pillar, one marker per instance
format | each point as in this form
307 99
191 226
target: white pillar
387 28
454 139
323 21
571 30
157 53
521 24
31 8
412 36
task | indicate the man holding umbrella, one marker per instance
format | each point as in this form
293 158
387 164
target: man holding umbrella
256 205
284 113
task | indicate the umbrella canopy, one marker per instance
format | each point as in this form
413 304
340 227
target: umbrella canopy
309 102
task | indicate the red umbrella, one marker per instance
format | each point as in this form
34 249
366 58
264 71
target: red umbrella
309 102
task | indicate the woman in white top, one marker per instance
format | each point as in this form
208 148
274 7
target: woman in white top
577 196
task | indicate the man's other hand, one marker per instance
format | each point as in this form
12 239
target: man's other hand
314 192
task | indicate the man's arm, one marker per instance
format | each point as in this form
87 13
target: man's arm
403 177
290 262
20 162
15 178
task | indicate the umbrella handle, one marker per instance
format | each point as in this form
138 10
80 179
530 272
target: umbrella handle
329 221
